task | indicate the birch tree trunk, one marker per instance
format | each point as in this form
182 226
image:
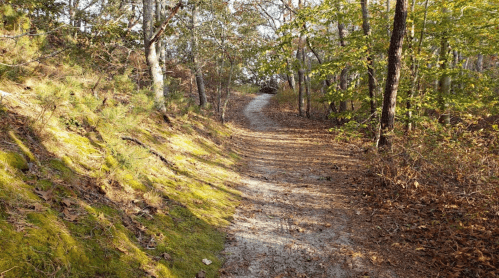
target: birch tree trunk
160 45
152 55
393 76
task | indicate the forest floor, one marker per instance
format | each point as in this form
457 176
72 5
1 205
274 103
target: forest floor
298 217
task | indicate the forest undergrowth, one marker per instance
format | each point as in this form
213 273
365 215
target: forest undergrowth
94 182
440 188
432 200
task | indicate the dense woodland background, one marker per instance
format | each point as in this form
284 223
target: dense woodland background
418 80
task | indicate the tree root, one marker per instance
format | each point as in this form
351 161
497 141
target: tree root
162 158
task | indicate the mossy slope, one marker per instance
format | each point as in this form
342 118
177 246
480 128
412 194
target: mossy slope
76 200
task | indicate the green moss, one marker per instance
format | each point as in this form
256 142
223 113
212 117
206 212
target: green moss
104 240
105 169
83 145
111 162
24 149
133 183
67 160
14 160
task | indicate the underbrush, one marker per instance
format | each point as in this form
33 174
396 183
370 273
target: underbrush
247 88
95 183
438 195
288 99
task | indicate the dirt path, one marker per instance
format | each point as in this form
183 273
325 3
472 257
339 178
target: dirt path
292 221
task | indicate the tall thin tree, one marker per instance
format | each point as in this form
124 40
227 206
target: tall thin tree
371 74
393 76
195 59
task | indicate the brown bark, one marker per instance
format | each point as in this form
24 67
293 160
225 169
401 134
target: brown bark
366 26
290 76
393 76
412 85
479 63
308 88
197 67
231 70
342 32
301 76
444 84
344 73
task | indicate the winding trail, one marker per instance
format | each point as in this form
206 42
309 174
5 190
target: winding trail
291 222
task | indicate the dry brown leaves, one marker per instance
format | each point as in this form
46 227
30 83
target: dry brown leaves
439 203
432 207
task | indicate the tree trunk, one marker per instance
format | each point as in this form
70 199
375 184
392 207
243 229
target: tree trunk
301 76
370 59
160 45
415 84
308 88
344 87
388 17
152 56
219 87
410 93
197 67
445 82
393 76
228 90
479 63
290 76
342 31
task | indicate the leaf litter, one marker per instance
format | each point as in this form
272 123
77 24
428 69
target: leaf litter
291 222
416 216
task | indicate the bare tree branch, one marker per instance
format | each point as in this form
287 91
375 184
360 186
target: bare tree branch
33 35
37 59
163 25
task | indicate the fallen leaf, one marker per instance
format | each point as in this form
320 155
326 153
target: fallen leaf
46 195
34 207
38 207
66 201
206 261
68 216
166 256
201 274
